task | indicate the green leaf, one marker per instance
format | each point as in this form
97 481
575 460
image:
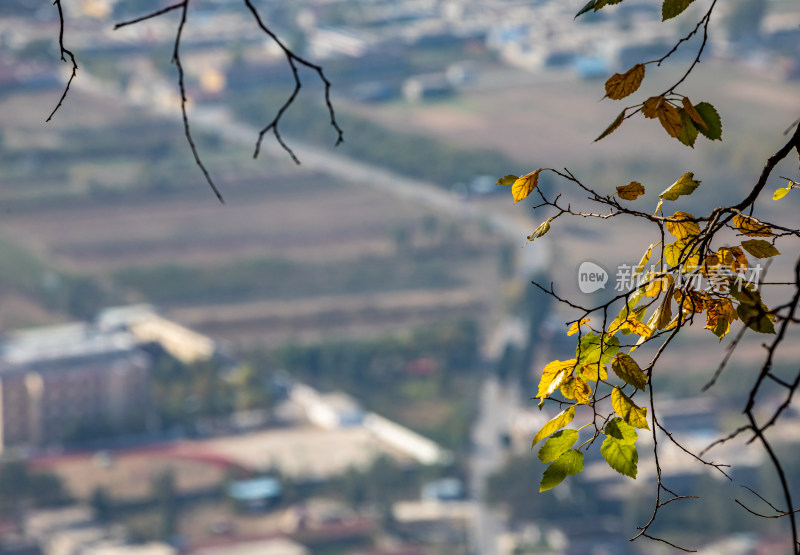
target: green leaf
688 133
603 3
594 348
567 464
628 371
622 432
613 127
507 179
712 119
562 419
620 456
557 444
684 186
673 8
629 412
755 319
760 248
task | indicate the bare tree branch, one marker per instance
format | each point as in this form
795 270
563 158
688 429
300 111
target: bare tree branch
63 50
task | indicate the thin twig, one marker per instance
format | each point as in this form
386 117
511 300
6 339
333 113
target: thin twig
63 50
292 59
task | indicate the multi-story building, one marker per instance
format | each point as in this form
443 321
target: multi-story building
87 378
59 382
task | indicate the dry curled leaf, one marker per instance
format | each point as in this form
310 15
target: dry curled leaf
625 84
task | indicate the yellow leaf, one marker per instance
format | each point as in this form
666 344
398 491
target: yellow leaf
739 258
670 119
636 327
573 329
651 106
627 410
631 191
679 252
683 229
693 113
591 372
760 248
562 419
658 283
719 315
751 227
663 314
628 371
621 85
643 262
552 376
525 185
575 388
780 193
628 312
692 301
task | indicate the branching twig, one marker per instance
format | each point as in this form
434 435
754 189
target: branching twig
63 50
292 59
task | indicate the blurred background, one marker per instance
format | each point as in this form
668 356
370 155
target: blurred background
340 359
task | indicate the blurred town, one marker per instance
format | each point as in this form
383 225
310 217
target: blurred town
340 360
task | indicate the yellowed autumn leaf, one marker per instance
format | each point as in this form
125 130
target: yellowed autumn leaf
751 226
645 259
670 119
760 248
631 191
561 419
719 315
680 253
663 314
540 231
683 229
525 185
657 284
624 406
628 371
740 260
552 376
576 388
594 372
573 329
724 257
625 84
651 105
693 113
692 301
636 327
780 193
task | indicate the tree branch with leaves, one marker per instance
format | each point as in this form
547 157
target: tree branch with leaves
620 342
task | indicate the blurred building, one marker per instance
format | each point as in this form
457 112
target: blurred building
85 379
59 382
